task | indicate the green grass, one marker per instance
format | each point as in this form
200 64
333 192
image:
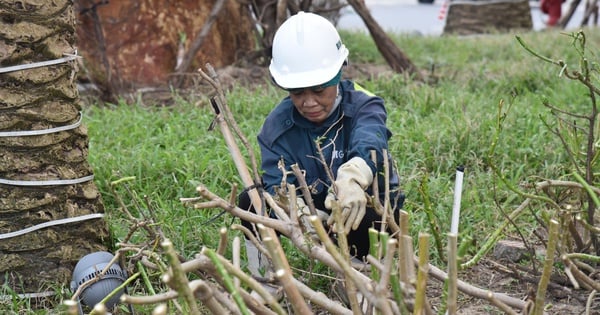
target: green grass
436 127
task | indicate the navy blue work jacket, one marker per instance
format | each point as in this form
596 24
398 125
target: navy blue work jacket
357 126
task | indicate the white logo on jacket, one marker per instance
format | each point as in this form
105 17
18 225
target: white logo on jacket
336 154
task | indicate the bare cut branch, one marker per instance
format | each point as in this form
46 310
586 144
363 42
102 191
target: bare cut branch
214 81
304 188
279 225
226 121
283 271
177 279
580 276
563 183
335 256
558 110
202 290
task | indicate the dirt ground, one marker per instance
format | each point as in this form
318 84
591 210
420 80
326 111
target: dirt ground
500 278
253 77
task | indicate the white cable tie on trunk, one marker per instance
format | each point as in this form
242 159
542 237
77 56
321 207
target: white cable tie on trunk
51 223
54 182
26 66
25 133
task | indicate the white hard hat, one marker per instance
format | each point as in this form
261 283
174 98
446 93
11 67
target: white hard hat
307 51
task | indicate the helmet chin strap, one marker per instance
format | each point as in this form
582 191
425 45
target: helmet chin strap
336 103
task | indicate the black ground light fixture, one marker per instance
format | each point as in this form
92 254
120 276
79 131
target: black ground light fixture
88 268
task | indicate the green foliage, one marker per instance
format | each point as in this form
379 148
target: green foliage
12 303
169 151
436 127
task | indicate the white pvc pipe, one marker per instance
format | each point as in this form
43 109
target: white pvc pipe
457 196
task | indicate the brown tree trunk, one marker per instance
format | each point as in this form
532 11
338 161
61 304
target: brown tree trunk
488 16
129 45
41 99
269 15
397 60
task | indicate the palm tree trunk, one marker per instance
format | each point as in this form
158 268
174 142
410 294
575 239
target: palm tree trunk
41 99
488 16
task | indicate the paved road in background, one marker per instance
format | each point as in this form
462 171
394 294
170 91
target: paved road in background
410 16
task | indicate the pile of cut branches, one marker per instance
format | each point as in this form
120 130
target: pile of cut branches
394 277
392 280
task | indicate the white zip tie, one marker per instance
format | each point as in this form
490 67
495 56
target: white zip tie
24 133
53 182
51 223
26 66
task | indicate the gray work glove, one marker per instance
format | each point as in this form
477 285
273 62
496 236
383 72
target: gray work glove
353 178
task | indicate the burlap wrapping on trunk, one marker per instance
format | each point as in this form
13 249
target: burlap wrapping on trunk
36 99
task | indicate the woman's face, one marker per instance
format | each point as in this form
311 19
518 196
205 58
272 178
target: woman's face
314 104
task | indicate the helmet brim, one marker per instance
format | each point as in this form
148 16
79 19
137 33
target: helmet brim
308 78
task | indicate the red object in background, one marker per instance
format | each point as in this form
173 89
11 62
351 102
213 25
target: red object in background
554 10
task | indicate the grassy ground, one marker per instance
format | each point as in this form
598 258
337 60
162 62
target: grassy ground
436 128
